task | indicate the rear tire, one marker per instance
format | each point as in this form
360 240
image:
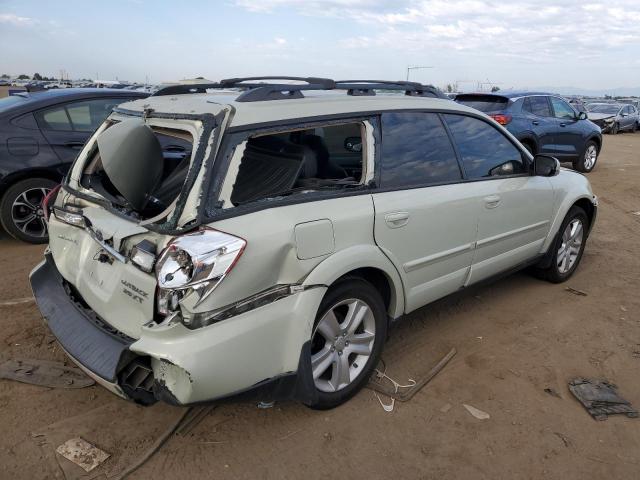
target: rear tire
567 247
21 211
347 341
588 159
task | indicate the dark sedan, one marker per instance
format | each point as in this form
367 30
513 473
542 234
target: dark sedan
40 135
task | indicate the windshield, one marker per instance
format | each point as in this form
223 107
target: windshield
613 109
8 102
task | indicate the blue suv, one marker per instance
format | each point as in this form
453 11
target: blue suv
544 123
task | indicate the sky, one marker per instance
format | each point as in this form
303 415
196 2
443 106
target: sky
512 44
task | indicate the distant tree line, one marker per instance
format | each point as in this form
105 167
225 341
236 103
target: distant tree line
36 76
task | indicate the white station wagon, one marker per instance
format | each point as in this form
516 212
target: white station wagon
255 238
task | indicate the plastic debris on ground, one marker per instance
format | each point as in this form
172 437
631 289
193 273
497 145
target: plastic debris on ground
600 398
477 413
82 453
44 373
575 291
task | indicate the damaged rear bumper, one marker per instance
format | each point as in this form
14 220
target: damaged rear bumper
262 354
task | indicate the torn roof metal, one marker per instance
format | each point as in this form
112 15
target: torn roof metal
314 104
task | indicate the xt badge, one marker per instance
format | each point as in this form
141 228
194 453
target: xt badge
134 292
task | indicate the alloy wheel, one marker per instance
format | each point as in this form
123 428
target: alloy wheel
27 213
590 157
570 248
342 344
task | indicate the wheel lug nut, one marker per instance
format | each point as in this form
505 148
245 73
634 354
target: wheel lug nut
346 343
340 352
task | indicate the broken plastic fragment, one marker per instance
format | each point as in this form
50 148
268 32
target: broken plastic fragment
82 453
479 414
600 398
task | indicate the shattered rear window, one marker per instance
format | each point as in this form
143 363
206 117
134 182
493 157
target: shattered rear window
144 176
295 162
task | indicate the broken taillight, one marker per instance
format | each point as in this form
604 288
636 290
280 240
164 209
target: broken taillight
501 118
48 197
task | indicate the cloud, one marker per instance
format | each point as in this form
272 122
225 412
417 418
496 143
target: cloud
527 28
16 20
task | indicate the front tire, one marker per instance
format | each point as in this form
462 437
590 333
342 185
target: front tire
588 159
347 341
21 212
567 247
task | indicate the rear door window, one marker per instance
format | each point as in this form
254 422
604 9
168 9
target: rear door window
416 150
485 151
84 116
562 109
537 105
328 158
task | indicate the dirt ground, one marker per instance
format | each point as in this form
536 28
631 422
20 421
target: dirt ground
515 338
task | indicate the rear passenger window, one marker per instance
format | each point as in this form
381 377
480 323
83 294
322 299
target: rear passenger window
416 150
295 162
485 151
538 106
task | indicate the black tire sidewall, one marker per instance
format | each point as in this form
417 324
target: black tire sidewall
353 287
553 273
580 164
6 204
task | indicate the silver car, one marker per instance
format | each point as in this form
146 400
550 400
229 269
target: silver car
614 117
306 218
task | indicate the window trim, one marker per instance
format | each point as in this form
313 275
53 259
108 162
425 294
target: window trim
210 187
235 137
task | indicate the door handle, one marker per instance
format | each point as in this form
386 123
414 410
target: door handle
76 145
396 219
492 201
563 124
536 122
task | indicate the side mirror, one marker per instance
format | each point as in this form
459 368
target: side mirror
582 116
546 166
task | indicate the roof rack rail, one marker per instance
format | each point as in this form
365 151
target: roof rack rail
186 88
368 87
255 89
260 91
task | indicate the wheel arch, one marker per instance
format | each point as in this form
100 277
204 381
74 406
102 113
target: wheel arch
585 202
597 140
27 174
369 263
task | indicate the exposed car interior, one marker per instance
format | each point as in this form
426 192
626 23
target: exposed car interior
298 161
161 169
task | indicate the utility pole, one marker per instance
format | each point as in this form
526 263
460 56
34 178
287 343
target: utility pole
416 67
